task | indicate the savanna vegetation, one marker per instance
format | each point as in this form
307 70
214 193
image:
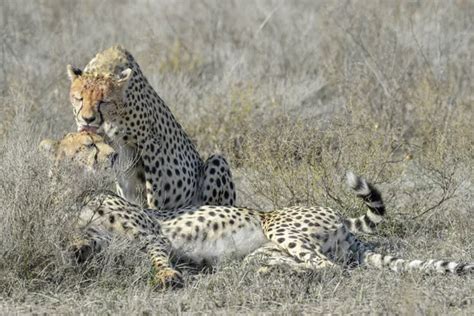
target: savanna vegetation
294 93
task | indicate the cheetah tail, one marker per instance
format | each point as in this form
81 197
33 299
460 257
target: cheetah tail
401 265
372 198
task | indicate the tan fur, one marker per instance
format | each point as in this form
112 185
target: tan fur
86 149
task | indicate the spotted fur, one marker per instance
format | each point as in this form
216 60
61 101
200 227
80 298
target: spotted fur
112 95
299 237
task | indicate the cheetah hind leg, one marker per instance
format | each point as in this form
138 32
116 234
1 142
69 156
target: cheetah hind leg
217 186
270 257
301 249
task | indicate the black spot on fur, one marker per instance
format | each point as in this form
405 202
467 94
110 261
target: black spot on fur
358 224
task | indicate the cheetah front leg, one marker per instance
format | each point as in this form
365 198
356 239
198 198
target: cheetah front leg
115 215
92 241
159 251
93 237
216 185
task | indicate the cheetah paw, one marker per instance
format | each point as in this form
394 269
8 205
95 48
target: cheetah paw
81 252
168 278
265 270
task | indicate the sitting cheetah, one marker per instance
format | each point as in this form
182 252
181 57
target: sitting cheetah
112 95
299 237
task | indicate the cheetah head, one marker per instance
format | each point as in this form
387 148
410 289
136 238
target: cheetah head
96 98
85 148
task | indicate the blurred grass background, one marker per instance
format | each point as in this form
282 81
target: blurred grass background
294 94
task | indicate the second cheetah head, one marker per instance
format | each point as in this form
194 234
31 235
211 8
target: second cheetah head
84 148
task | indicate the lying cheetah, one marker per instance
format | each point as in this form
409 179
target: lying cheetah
299 237
113 95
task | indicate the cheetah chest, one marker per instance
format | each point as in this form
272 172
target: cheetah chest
203 237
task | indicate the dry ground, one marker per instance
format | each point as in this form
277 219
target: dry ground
294 93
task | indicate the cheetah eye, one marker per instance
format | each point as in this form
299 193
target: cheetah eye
103 102
92 148
78 99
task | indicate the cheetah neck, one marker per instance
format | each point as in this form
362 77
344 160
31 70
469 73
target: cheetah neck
145 115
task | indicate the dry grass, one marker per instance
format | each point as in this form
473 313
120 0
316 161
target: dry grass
294 93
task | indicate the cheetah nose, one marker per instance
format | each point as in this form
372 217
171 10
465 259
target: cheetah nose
89 120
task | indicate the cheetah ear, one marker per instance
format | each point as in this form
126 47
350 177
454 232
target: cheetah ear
124 76
49 146
73 72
